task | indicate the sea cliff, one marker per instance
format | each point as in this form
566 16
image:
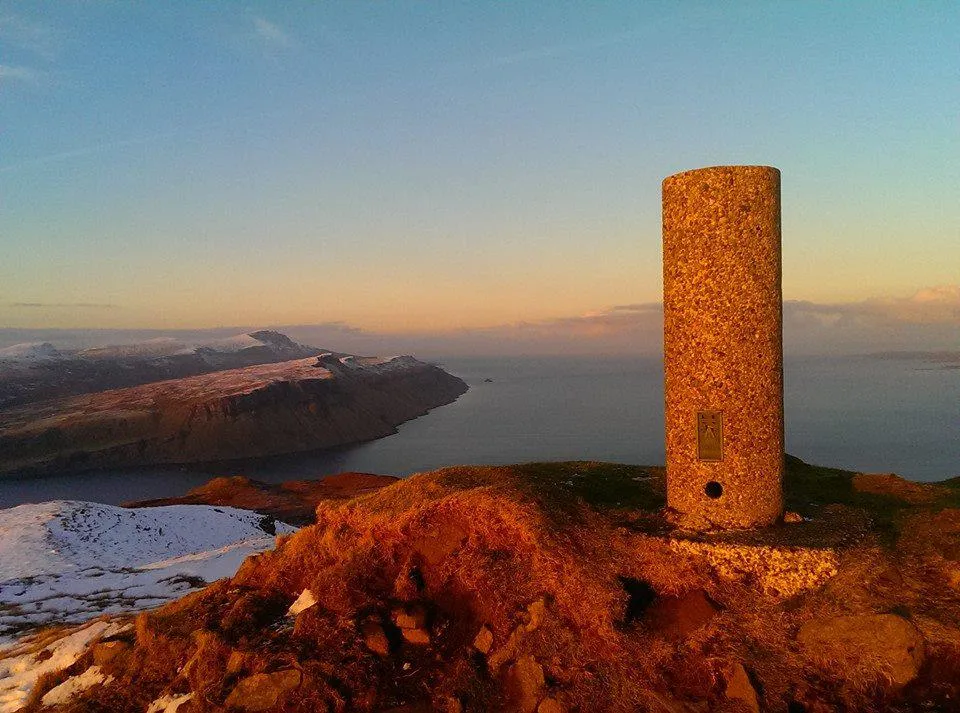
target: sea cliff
261 410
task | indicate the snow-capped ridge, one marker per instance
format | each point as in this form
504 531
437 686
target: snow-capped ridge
159 347
276 342
30 351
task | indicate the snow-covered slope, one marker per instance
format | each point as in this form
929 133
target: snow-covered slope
30 351
159 347
21 666
39 371
264 342
67 561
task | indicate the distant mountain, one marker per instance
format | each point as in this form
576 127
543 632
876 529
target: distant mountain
945 359
248 412
38 371
30 351
160 347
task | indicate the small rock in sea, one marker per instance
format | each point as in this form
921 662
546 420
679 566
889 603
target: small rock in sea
792 517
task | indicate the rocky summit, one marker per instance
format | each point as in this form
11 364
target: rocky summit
551 587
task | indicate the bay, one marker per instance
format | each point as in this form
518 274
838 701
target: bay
860 413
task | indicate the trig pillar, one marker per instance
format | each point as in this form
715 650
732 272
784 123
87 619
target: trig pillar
723 346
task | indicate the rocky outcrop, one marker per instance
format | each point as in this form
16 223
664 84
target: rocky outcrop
527 588
261 410
885 648
293 501
263 691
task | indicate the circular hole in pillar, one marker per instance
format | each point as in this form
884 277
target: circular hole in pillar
713 489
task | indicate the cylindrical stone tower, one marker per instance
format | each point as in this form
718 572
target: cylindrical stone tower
723 346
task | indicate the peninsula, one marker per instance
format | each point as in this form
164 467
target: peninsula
265 409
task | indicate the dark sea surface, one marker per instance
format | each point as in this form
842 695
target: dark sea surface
860 413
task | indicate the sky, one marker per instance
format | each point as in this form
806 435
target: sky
468 174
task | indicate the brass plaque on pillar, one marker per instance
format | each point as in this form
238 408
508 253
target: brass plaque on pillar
710 435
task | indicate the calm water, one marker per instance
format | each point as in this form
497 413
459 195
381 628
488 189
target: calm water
851 412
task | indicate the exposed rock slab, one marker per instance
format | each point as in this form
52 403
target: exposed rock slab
886 647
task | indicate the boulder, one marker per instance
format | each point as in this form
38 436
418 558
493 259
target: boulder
551 705
868 647
303 602
439 543
524 684
263 691
420 637
739 687
484 640
375 638
675 618
410 617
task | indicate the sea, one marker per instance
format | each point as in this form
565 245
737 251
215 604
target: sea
855 412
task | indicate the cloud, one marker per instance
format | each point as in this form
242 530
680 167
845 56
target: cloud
271 34
926 320
10 73
62 305
553 51
86 151
930 306
33 37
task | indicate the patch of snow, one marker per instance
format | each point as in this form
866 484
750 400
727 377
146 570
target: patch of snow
22 665
161 346
168 703
304 602
74 685
66 561
30 351
350 362
232 344
376 365
385 365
